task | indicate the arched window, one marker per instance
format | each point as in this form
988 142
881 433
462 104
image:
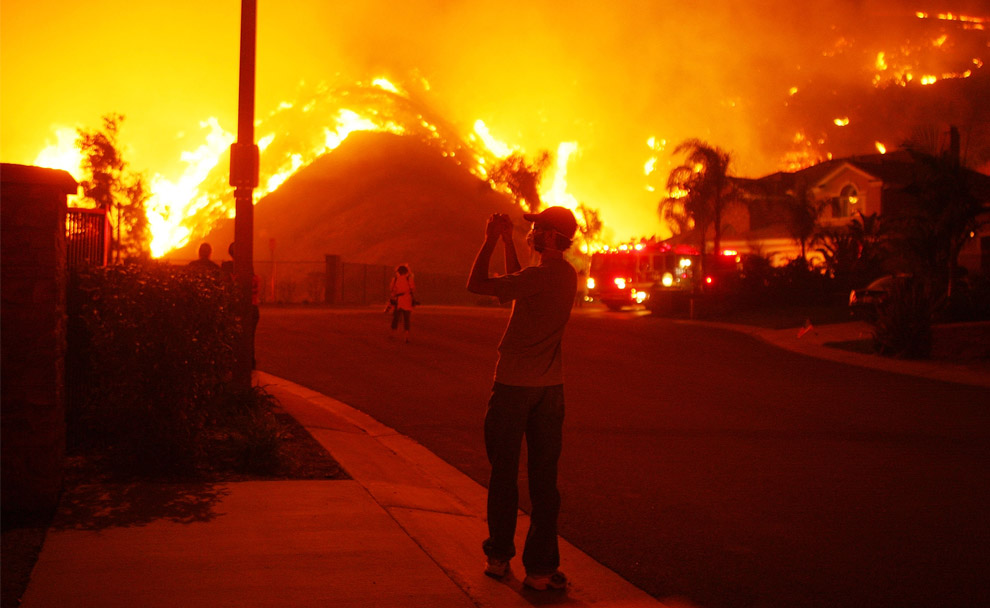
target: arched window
849 200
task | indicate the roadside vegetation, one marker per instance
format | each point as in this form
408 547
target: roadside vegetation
148 372
149 397
151 353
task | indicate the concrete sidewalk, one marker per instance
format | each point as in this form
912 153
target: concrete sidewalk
406 532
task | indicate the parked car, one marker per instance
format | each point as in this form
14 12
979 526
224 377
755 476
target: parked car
863 302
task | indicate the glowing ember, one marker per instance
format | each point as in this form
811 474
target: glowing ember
650 166
975 23
384 83
907 64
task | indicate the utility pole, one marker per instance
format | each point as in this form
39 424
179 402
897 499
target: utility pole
244 178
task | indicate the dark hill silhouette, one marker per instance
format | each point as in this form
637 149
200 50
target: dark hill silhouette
378 198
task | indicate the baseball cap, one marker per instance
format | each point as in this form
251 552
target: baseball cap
559 218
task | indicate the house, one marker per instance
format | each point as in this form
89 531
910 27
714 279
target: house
875 183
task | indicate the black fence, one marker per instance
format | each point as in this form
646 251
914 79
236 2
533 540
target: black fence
87 237
356 283
336 282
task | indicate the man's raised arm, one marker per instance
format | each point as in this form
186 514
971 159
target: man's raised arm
511 259
479 281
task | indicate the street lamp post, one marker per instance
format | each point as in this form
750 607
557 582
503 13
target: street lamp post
244 178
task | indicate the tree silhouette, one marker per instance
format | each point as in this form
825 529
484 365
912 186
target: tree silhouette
110 185
803 215
698 191
947 208
589 225
853 252
521 177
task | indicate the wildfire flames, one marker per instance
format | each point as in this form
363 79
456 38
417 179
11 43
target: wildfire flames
832 110
180 210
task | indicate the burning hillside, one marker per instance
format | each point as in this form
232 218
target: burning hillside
297 134
912 73
378 198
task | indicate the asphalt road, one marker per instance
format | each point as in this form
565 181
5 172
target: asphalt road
706 467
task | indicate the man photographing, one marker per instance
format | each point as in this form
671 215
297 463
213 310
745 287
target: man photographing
528 395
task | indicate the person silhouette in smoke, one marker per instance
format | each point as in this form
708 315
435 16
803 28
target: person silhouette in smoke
203 263
528 394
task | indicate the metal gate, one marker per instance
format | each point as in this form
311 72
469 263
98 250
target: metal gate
87 237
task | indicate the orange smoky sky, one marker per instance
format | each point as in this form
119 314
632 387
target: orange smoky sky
764 79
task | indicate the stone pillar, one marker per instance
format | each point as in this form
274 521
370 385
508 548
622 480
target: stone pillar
33 330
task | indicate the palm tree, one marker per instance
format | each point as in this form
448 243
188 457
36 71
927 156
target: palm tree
950 203
854 253
803 215
840 250
590 225
869 233
698 190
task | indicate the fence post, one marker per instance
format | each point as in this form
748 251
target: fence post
334 288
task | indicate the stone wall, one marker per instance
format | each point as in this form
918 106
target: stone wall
33 332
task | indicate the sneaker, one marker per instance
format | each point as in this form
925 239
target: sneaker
544 582
496 568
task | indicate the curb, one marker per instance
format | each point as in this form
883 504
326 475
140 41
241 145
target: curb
814 341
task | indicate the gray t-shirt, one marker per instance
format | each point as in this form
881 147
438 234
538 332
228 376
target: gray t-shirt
542 297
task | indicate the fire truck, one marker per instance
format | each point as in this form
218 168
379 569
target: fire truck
632 275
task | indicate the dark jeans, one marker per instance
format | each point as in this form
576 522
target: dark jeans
398 312
537 413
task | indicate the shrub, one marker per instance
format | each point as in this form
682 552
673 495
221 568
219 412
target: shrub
760 284
151 348
797 283
970 300
903 327
246 436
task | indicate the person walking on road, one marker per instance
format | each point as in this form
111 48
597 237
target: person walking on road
528 394
401 298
